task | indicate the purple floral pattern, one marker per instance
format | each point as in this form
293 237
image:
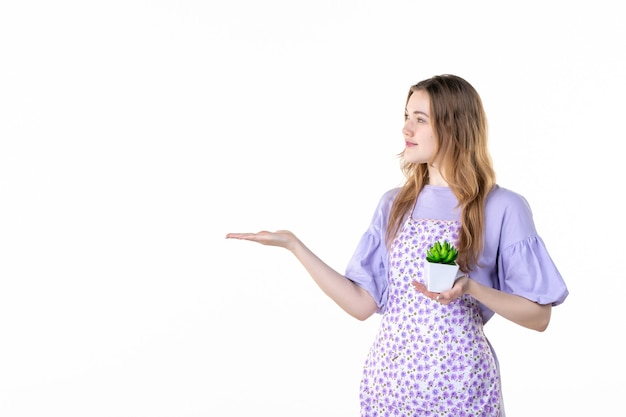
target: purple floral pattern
428 359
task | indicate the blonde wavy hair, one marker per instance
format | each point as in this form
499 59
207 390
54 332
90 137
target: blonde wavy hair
460 126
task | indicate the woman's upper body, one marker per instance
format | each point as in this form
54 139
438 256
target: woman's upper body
514 259
445 151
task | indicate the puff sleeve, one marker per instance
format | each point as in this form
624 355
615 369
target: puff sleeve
524 266
368 266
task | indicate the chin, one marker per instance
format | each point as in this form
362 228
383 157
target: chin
413 160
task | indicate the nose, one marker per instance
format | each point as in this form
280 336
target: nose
407 131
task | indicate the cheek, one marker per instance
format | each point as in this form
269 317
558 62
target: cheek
430 146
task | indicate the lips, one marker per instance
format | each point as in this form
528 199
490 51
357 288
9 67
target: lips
409 144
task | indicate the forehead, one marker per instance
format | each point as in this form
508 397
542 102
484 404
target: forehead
420 101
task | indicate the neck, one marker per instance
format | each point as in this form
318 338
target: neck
435 178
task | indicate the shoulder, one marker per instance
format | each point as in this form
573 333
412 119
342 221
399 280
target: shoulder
509 212
389 195
386 199
503 200
383 207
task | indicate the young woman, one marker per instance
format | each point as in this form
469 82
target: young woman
430 356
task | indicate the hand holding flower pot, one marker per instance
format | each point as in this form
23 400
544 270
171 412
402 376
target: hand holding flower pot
440 267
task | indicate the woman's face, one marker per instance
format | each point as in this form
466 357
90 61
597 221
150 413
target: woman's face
419 138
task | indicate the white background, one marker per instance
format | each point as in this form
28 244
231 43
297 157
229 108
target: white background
135 134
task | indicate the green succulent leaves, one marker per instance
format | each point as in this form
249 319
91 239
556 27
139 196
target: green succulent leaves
442 253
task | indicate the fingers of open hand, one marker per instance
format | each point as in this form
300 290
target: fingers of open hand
439 297
279 238
241 236
422 288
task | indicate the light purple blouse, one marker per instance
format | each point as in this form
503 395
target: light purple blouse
515 259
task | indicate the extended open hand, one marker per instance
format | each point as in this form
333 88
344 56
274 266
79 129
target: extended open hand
282 238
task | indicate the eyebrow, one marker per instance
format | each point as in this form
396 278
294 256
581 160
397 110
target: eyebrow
416 112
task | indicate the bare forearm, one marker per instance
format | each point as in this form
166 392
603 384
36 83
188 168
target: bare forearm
518 309
349 296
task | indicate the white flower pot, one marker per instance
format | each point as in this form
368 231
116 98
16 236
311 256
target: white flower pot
440 277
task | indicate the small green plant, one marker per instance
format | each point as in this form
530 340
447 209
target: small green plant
442 253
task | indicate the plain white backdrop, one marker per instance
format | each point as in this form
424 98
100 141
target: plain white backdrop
135 134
